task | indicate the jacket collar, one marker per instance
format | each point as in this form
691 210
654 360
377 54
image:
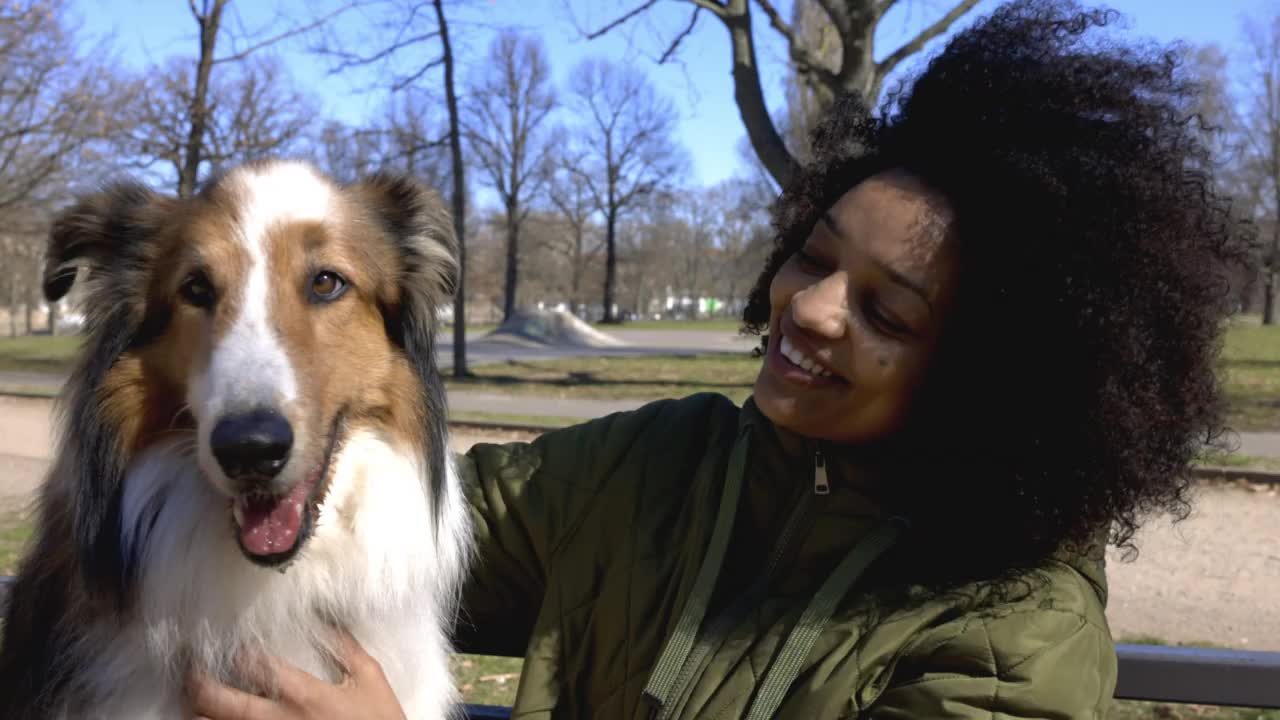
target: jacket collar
783 462
788 454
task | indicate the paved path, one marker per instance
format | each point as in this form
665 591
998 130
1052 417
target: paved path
1260 444
638 342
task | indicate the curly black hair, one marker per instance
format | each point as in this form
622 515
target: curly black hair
1075 382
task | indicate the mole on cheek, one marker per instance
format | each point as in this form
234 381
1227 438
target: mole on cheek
884 361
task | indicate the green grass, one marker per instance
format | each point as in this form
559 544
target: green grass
15 530
38 353
1138 710
1238 461
505 418
486 680
713 325
1251 360
615 378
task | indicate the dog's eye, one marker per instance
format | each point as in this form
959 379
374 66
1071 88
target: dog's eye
197 290
327 285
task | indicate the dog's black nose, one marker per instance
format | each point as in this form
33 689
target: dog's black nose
255 444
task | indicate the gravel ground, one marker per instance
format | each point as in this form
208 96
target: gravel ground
1213 578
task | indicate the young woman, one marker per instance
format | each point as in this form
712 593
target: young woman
989 334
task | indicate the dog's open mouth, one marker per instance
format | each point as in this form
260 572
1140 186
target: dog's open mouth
271 529
270 526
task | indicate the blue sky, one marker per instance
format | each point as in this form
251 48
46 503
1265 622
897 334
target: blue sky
149 31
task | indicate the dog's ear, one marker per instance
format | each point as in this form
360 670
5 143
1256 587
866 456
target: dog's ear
427 248
418 223
95 230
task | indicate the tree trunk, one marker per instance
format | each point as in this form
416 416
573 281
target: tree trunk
459 200
513 265
31 316
1269 299
749 96
610 268
576 280
53 318
199 100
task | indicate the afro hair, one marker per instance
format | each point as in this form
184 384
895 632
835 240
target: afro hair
1075 383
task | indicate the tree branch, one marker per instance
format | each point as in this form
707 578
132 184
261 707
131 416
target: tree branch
405 82
884 6
623 20
917 43
301 29
776 21
675 43
806 62
839 14
715 8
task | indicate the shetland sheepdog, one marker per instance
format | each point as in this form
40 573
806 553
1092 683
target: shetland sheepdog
253 447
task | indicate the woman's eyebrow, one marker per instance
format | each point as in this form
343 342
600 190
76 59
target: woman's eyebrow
897 277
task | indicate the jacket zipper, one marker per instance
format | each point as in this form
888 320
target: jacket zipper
820 484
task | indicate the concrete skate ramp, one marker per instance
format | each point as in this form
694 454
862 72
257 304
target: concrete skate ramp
554 328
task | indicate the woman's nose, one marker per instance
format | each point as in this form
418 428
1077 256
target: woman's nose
823 307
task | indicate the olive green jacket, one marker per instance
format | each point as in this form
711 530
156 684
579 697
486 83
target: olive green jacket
592 538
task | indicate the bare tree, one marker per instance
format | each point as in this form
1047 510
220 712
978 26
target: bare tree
627 151
572 202
743 236
417 33
348 153
1260 128
853 69
57 107
193 119
506 116
249 112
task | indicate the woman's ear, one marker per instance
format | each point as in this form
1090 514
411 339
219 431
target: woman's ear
94 231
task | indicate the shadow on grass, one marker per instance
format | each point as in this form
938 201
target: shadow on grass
1252 364
585 379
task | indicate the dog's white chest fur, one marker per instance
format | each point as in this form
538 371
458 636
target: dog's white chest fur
376 561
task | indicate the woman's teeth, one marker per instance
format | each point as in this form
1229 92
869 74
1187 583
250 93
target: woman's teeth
806 363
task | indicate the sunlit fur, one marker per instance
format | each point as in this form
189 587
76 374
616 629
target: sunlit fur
135 573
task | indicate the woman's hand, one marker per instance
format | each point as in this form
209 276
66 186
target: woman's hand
364 693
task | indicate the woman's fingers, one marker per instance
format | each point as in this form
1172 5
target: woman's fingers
209 698
359 664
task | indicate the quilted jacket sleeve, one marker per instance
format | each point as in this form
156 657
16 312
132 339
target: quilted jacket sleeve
524 498
1036 663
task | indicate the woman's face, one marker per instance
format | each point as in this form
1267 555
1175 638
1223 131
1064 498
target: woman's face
856 313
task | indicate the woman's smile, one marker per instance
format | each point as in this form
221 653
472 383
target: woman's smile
796 362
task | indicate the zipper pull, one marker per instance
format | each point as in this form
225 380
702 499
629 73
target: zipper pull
820 484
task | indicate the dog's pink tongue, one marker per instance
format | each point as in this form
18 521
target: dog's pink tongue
272 526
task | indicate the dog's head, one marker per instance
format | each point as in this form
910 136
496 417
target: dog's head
261 317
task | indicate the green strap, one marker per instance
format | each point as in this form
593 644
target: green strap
713 638
786 667
676 652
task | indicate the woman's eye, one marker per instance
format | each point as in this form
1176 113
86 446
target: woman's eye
811 264
196 290
885 319
327 285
